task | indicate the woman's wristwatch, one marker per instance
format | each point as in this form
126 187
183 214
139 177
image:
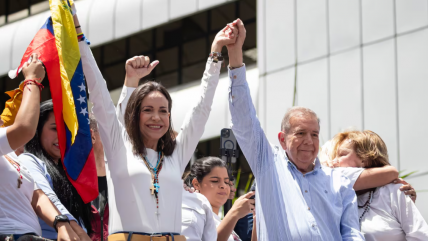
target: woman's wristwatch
60 218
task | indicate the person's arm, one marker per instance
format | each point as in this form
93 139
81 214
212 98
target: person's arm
36 168
110 128
45 209
79 231
375 177
24 127
195 120
408 215
246 126
242 206
254 231
349 223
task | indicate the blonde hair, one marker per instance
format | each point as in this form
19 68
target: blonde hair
368 146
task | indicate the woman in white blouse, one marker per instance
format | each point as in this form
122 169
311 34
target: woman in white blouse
386 213
21 200
145 163
209 176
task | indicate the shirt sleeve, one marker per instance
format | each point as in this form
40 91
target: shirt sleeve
352 173
110 128
4 142
36 187
246 126
123 102
37 170
408 215
194 123
349 223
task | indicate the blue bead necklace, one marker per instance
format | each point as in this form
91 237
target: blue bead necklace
154 171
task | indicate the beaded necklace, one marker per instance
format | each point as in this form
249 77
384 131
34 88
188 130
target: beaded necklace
366 206
154 171
17 167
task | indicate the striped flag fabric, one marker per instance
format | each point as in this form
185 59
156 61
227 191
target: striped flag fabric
57 46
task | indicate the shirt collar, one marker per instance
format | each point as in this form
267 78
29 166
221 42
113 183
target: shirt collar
316 168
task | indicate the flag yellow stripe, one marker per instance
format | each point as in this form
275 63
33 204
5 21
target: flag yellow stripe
69 57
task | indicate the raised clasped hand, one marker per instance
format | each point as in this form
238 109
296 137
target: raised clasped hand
226 36
240 36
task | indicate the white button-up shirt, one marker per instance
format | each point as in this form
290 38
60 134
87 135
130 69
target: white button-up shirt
392 216
197 222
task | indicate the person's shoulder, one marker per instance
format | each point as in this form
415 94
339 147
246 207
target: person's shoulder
195 201
338 176
30 159
391 188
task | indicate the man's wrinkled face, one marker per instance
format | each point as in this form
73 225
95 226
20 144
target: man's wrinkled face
301 142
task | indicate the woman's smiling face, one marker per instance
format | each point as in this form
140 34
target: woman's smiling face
154 116
49 138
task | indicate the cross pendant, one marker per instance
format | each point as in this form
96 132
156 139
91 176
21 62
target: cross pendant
19 182
152 189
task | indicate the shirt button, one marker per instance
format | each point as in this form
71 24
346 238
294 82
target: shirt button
234 76
304 175
309 208
313 225
306 190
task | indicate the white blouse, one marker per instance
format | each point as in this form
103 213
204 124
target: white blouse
132 207
17 216
233 236
197 218
393 216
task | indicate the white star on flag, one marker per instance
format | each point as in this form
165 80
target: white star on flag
84 112
82 87
81 99
89 122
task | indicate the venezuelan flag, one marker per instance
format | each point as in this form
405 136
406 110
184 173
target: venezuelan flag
57 46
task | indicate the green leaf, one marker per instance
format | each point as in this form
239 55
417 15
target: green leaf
408 174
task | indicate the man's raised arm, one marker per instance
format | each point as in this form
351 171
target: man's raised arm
246 126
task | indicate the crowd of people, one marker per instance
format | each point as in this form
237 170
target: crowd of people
348 191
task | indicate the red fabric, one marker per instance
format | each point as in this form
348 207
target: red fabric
96 223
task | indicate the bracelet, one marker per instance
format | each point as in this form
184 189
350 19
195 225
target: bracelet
216 56
31 81
77 26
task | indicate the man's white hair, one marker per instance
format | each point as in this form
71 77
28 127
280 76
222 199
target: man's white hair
296 111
